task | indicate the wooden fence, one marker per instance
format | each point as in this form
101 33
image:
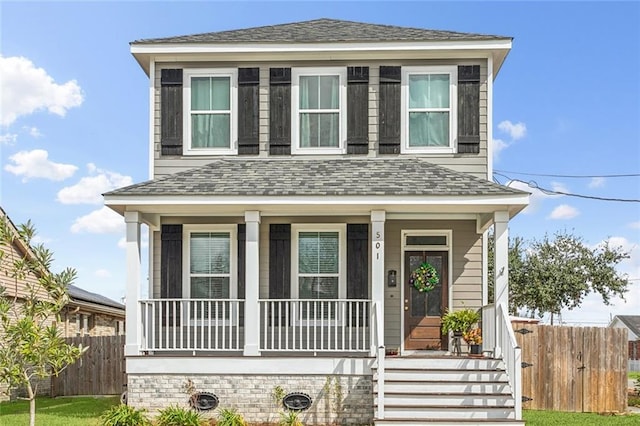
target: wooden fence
100 371
578 369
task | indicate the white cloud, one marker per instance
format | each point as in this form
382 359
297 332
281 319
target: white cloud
8 138
596 182
564 211
559 187
101 221
536 198
635 225
89 189
515 131
36 164
33 131
26 89
498 146
103 273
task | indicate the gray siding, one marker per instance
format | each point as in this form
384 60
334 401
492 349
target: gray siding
475 164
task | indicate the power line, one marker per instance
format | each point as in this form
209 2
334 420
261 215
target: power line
534 184
570 176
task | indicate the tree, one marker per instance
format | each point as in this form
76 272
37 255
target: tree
31 343
556 273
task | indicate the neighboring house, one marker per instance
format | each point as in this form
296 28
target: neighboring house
299 174
630 322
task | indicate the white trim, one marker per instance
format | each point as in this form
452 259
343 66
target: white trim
159 48
152 116
187 230
341 229
187 74
250 365
404 248
490 146
452 71
296 73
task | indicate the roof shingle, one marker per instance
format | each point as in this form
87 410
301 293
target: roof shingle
322 31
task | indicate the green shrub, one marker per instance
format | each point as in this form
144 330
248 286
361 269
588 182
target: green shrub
123 415
230 417
459 321
179 416
290 418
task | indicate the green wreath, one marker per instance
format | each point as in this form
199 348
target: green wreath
424 278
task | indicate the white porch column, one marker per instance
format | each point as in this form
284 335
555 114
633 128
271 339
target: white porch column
501 267
252 285
132 313
377 270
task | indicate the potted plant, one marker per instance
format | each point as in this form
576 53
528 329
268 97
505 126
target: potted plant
459 321
473 338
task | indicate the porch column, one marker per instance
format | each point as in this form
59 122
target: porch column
501 268
252 284
377 273
132 312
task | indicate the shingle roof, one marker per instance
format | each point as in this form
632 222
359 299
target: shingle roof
297 176
632 322
76 293
322 31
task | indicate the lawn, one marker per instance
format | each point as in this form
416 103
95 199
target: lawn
77 411
553 418
634 375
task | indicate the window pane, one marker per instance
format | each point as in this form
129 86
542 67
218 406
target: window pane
318 287
309 92
328 260
210 253
329 93
210 130
210 287
308 249
426 240
318 252
429 91
319 130
428 129
210 93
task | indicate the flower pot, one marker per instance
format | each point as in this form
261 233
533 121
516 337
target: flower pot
475 350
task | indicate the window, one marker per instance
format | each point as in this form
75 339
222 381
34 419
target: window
428 109
210 119
318 110
319 262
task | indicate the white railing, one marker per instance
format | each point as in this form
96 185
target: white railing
192 324
315 325
380 354
511 355
489 328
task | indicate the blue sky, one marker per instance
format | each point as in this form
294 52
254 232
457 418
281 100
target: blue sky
74 117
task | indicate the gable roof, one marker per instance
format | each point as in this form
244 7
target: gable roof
631 321
297 176
322 31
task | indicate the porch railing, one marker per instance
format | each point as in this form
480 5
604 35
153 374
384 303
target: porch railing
489 327
192 324
380 354
511 355
315 325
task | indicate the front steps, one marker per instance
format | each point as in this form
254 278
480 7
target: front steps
445 391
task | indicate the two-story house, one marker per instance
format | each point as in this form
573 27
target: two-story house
299 174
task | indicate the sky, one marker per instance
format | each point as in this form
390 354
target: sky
74 115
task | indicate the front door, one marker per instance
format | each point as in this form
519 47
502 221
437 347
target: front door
423 311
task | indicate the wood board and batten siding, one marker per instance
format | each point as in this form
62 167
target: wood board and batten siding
100 371
574 369
371 85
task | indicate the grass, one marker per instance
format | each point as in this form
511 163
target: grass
557 418
78 411
634 375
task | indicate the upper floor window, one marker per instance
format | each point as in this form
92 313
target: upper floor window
319 110
210 118
429 109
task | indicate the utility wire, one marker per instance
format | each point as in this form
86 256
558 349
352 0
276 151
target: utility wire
570 176
534 184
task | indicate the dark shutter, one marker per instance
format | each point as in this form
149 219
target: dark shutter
171 271
357 261
358 110
171 111
279 261
469 109
389 110
242 251
248 111
280 111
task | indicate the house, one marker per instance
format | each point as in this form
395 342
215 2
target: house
299 174
86 313
630 322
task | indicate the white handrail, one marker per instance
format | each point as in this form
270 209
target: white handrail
489 328
380 354
511 355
